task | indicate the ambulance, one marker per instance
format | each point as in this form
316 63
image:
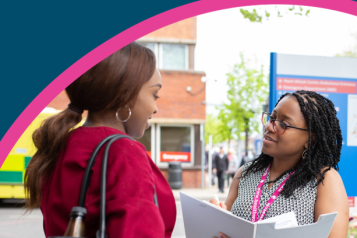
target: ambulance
12 171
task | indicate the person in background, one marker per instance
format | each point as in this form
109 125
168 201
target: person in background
214 172
120 94
232 166
206 158
254 154
244 160
220 166
213 179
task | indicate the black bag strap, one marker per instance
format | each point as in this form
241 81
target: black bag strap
88 171
87 175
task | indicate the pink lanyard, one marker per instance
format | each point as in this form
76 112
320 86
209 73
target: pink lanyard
271 200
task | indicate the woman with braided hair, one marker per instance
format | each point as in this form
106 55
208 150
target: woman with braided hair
301 150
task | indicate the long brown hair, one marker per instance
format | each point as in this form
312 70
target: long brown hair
111 84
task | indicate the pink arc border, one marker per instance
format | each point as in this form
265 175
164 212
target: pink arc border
133 33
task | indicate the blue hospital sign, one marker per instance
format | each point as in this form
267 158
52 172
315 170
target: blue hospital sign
336 79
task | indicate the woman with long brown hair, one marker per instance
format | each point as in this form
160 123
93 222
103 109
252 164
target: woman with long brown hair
120 95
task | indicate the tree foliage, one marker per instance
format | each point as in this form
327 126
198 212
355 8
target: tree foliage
259 14
215 128
248 91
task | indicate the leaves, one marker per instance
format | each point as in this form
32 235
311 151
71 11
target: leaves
348 53
267 14
215 128
251 16
248 91
256 15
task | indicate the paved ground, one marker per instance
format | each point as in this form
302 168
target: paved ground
202 194
15 224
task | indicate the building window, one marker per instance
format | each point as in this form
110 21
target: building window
154 47
169 56
173 56
175 144
151 46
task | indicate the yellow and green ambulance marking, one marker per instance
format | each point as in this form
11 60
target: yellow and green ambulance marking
12 172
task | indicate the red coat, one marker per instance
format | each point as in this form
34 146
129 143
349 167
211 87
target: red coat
131 175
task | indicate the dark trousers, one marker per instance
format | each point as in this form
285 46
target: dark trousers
221 175
213 178
228 177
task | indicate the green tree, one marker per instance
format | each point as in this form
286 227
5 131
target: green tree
226 128
248 90
259 14
211 127
218 128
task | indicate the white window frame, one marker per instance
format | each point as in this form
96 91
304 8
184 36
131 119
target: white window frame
156 50
161 57
153 142
158 145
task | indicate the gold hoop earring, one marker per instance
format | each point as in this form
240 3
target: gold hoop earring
117 115
304 154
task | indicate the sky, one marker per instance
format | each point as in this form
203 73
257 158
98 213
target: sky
222 35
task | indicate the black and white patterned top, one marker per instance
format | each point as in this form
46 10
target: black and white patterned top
302 202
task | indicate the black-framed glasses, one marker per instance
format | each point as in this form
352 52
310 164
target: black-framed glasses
279 127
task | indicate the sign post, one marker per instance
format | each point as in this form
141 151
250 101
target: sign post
210 162
202 137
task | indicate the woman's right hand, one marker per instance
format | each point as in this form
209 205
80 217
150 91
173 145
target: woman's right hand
221 204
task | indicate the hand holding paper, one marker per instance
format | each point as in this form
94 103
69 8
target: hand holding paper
203 219
215 201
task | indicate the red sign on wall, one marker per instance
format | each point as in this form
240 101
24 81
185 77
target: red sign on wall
317 85
351 201
168 156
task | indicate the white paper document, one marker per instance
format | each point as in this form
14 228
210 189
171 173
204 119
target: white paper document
202 219
285 220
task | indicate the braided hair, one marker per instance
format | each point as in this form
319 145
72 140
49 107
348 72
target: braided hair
320 115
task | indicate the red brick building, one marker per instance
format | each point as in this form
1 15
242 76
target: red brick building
175 130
